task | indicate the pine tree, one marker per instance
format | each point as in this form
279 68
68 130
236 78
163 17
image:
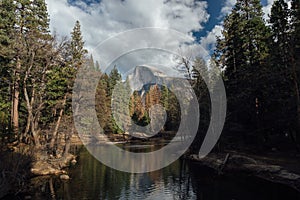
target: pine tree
38 44
26 45
282 69
103 102
120 106
243 53
7 21
60 90
296 28
114 77
295 60
78 51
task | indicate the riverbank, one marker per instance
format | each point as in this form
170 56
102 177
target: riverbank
273 167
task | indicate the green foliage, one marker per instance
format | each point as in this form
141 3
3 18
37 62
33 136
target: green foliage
170 103
243 53
261 69
281 77
77 49
103 102
7 22
114 77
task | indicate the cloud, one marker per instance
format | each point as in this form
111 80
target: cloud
209 42
105 19
226 9
267 9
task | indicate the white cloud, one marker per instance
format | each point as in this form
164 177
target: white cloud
210 40
226 9
108 18
267 9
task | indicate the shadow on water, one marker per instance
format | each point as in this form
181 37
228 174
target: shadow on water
181 180
14 173
235 187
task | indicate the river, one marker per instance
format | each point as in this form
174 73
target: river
181 180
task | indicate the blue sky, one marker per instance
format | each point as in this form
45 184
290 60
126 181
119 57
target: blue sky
214 9
103 19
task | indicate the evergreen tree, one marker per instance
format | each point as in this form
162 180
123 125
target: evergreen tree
114 77
61 88
295 61
243 54
296 29
38 44
7 21
26 45
282 69
78 52
103 103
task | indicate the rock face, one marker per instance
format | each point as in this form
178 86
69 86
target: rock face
141 78
144 75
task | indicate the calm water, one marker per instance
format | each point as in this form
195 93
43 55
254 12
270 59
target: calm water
181 180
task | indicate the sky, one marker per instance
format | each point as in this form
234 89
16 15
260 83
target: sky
184 27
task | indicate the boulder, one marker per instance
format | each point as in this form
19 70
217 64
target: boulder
64 177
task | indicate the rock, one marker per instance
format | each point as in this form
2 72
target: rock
287 175
73 162
194 157
58 156
64 177
41 168
239 159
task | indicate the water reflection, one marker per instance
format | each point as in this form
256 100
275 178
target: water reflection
181 180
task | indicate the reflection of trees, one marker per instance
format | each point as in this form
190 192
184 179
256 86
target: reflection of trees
181 180
95 181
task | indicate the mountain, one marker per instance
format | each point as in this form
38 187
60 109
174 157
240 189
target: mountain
142 77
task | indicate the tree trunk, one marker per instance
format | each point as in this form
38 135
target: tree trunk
68 142
27 127
296 87
31 121
35 133
15 99
55 132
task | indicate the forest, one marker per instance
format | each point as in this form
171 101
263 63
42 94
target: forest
259 60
